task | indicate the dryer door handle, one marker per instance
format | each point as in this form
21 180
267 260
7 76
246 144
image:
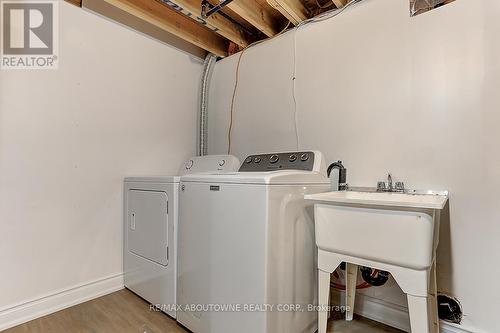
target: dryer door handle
132 221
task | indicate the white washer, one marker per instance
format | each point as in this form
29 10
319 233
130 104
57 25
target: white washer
150 230
246 239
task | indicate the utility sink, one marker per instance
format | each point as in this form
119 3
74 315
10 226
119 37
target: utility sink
386 199
393 228
389 231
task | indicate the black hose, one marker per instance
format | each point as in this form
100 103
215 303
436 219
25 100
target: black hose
378 280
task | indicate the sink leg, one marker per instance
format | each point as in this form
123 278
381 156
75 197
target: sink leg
324 300
419 314
350 293
433 306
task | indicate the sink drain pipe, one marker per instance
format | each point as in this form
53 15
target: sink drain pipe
208 66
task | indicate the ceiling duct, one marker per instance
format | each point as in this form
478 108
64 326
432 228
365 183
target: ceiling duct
422 6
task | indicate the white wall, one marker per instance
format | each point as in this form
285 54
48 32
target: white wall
385 92
120 104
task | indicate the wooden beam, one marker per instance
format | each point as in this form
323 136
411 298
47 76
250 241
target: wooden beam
75 2
257 15
171 21
340 3
104 9
293 10
216 22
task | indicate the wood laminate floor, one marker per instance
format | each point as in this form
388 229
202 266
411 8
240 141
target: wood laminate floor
124 312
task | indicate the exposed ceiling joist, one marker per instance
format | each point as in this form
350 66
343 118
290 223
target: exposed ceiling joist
257 15
127 19
293 10
340 3
173 22
231 26
75 2
215 22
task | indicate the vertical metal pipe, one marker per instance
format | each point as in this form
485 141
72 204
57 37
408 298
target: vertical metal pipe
205 83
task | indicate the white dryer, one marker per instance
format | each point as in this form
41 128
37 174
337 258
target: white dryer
150 230
247 255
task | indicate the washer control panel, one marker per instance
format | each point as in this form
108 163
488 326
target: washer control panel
303 160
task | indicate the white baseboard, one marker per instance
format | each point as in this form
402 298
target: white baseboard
454 328
369 307
395 315
62 299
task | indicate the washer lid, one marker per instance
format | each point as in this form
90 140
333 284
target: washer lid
285 177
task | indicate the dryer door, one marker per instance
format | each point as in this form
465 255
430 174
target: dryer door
148 225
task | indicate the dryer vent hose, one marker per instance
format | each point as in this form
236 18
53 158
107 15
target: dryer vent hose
208 66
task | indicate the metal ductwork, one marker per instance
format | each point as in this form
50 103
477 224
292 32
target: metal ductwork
208 66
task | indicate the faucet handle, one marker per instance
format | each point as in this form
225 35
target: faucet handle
381 186
400 186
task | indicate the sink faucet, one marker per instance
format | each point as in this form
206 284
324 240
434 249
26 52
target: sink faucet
342 185
390 187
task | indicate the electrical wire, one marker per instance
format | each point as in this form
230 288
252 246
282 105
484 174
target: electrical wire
322 17
231 113
328 14
232 103
294 92
324 6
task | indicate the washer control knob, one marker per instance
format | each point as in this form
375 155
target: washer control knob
222 162
292 158
274 158
189 164
304 157
249 160
257 159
